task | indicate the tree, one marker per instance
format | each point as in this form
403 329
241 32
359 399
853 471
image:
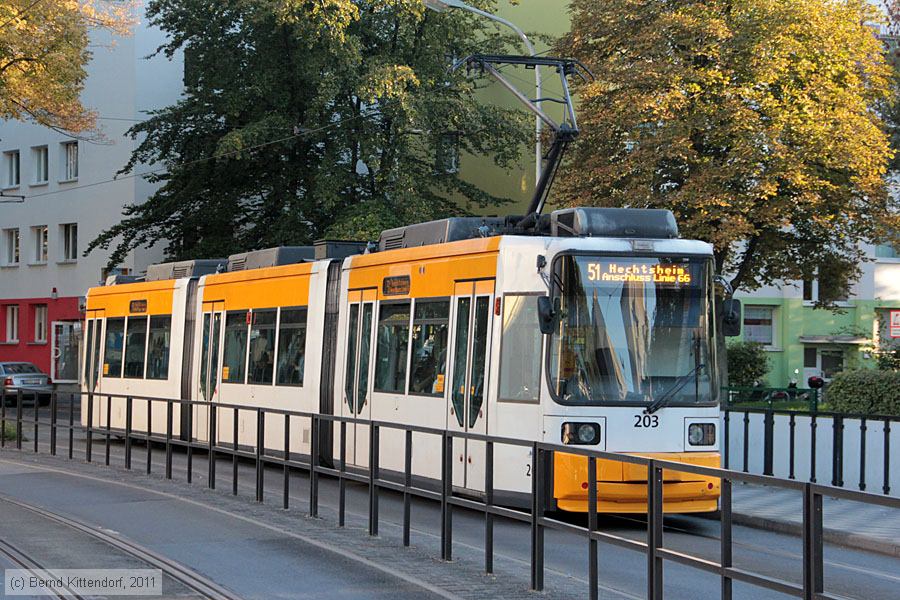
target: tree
305 119
748 364
43 51
758 122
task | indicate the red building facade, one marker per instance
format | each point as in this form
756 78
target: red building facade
43 331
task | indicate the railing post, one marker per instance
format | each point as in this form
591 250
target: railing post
169 418
446 491
188 437
813 562
314 467
593 575
746 448
72 424
654 531
213 441
19 420
488 505
726 436
791 454
108 429
53 423
725 537
812 447
537 513
260 440
236 414
342 481
2 417
89 443
768 441
149 435
837 451
285 471
862 454
374 446
886 488
128 426
37 412
407 484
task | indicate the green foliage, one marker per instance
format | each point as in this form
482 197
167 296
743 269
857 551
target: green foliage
748 364
758 122
865 391
888 359
8 432
307 119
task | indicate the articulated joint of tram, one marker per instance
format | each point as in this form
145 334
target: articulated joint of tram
622 487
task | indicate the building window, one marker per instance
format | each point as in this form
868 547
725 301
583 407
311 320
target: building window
40 323
69 161
886 251
808 291
446 161
393 337
520 353
12 322
759 325
10 246
813 290
11 168
41 242
41 164
70 241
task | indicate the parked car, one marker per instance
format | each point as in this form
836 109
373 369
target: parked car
27 377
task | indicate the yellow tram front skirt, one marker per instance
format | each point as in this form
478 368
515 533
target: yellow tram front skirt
622 487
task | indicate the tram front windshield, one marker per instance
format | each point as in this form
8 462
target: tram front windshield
632 330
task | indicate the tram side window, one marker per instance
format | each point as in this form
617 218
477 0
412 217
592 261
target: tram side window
88 344
262 346
520 355
393 337
158 344
235 354
135 347
429 348
291 346
115 336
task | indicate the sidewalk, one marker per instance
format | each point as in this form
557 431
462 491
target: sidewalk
852 524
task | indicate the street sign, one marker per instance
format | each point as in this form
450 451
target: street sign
895 324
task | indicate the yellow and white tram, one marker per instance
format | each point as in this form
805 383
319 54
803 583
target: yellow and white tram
441 327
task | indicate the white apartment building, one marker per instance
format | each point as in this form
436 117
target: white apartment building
69 198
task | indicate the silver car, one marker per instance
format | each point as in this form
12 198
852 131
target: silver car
27 377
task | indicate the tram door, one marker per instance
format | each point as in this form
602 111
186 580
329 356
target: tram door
468 392
209 370
92 365
360 326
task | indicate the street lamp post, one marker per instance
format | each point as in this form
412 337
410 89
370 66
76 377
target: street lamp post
442 5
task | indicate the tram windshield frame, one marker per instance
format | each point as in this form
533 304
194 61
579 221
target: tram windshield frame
632 328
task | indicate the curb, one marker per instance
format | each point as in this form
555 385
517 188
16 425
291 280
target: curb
832 536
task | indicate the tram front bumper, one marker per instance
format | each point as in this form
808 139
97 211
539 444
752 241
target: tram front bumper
622 487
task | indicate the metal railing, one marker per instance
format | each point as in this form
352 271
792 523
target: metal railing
654 547
794 420
769 397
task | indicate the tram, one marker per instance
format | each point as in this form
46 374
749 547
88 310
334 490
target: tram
596 329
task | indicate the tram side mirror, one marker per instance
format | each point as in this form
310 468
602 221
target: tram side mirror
546 314
731 317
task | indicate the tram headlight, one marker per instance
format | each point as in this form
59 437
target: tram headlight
702 434
582 434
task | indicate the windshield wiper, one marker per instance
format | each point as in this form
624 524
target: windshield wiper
676 387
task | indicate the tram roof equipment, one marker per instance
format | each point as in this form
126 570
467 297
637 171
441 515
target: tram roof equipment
184 268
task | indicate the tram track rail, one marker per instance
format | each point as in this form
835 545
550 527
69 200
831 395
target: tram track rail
189 578
22 560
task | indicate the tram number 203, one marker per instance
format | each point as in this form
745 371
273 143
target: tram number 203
646 420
